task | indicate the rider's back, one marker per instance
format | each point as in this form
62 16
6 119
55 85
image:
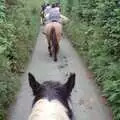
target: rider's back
54 14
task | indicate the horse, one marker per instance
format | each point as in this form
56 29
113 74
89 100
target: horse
53 32
64 19
52 99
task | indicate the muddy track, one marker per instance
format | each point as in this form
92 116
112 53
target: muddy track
87 103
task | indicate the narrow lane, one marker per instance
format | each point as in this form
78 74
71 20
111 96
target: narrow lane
87 104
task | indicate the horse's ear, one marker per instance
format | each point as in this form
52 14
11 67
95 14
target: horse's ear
33 83
69 85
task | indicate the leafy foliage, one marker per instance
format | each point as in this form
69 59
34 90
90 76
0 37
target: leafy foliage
19 24
2 10
95 32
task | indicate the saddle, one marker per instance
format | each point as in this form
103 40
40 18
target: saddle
54 21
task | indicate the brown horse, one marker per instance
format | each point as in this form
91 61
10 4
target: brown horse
53 31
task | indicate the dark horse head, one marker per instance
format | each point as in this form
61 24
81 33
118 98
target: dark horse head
52 99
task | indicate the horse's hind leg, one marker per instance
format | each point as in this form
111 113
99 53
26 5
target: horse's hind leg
49 48
50 52
56 49
55 57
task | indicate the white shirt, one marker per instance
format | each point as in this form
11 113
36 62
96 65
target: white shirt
47 10
54 14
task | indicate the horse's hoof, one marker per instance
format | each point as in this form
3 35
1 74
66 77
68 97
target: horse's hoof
50 54
55 59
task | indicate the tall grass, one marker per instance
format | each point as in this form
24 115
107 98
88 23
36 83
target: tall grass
19 26
95 32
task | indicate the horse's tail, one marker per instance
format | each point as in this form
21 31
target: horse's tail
53 38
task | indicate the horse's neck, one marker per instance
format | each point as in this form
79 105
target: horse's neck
49 110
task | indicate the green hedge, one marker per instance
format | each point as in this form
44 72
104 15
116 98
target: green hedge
95 32
19 26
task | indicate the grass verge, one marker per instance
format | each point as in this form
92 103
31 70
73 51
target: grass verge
89 42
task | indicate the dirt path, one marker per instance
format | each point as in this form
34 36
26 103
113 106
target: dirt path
87 102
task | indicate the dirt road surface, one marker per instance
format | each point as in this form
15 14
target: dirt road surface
87 104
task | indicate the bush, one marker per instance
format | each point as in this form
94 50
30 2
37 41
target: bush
19 25
95 32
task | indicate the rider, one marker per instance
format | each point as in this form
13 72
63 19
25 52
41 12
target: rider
46 11
54 14
43 7
58 6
